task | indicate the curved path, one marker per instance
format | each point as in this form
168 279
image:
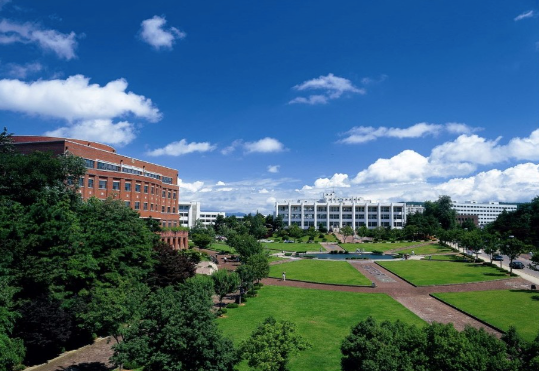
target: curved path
416 299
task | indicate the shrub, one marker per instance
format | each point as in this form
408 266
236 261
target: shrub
287 254
321 235
377 252
232 305
258 285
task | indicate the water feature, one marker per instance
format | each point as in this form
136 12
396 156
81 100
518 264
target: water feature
351 256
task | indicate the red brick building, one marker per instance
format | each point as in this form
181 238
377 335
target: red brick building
152 190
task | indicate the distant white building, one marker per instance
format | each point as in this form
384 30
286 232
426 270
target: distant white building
190 212
337 212
413 208
486 212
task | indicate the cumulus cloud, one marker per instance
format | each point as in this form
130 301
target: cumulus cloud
153 32
405 167
266 145
99 130
364 134
190 187
263 190
63 45
86 107
525 148
527 14
336 181
220 183
182 148
332 87
74 99
273 168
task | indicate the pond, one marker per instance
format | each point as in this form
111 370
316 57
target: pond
350 256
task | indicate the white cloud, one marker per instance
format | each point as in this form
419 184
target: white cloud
190 187
363 134
182 148
336 181
405 167
21 71
372 81
74 99
263 190
63 45
524 148
153 32
528 14
265 145
220 183
99 130
332 86
273 168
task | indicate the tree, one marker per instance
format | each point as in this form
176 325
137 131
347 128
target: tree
362 231
246 245
270 346
224 282
295 231
172 266
259 265
111 309
11 349
177 331
347 231
512 247
201 240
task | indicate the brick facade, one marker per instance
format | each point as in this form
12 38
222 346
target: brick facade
152 190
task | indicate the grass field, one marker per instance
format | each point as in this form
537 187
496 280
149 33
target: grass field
292 247
324 318
500 308
424 272
222 247
379 246
334 272
427 249
452 257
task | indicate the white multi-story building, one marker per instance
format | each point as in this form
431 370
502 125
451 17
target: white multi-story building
190 212
486 212
336 212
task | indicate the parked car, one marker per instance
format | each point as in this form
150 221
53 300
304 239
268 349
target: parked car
497 258
517 265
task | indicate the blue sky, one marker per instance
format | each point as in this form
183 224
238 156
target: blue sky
257 101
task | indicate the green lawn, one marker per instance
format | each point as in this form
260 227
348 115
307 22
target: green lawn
427 249
320 271
293 247
379 246
324 318
425 272
222 247
500 308
452 257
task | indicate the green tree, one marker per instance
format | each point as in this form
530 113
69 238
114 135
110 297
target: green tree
11 349
259 265
172 266
295 231
202 240
245 245
224 282
362 231
512 247
177 331
271 345
347 231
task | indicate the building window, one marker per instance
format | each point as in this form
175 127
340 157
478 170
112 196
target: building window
116 185
145 188
334 216
360 216
151 207
373 209
128 203
89 163
162 209
137 187
81 182
137 205
90 182
152 190
145 206
102 184
174 195
334 208
169 194
107 166
173 210
127 186
167 180
164 193
168 209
